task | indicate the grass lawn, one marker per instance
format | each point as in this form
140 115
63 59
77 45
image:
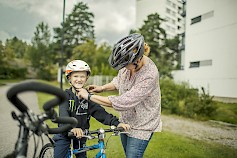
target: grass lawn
162 145
167 145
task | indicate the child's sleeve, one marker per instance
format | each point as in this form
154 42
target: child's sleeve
99 113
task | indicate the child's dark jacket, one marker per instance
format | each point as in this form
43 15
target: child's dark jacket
82 110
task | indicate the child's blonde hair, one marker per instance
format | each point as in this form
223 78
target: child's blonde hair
146 49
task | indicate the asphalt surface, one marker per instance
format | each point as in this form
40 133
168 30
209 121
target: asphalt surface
9 127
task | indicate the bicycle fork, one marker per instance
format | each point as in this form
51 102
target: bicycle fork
21 145
101 154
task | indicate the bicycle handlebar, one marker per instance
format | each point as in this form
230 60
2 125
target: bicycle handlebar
48 106
35 86
69 121
100 131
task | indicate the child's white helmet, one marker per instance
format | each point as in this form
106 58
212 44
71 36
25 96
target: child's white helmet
77 65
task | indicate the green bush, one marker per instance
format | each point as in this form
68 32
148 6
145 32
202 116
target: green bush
12 73
207 106
182 100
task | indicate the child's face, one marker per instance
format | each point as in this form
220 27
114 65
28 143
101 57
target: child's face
78 79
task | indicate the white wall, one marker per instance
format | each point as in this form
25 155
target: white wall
215 39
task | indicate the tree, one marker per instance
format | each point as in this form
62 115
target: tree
154 34
2 53
15 48
95 56
173 46
77 29
102 55
40 55
12 59
85 51
41 35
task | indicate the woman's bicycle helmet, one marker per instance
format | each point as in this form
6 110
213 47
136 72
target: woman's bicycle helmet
77 65
127 50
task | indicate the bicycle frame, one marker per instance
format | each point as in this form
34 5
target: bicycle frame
99 134
21 145
100 145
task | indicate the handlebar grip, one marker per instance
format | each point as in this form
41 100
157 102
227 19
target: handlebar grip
34 86
70 122
120 129
70 134
85 133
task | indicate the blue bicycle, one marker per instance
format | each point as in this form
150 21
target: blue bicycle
47 150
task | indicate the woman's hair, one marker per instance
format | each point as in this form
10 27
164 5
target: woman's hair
146 49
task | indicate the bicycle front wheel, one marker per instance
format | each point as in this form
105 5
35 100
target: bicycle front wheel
47 151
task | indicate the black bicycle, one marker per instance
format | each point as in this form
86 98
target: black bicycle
29 122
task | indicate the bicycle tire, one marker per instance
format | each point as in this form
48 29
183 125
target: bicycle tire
47 151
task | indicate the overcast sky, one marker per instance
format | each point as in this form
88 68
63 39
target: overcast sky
113 19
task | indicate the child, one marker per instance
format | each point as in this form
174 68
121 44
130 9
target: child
77 73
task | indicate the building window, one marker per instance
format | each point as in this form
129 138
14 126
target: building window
196 19
202 17
194 64
208 15
205 62
200 63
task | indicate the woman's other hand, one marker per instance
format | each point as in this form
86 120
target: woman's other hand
95 88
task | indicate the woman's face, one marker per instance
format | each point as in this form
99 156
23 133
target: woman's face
78 79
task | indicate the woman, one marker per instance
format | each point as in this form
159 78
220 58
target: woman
139 101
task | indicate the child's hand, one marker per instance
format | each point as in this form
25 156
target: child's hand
77 132
126 127
81 92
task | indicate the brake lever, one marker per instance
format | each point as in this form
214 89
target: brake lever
89 137
118 133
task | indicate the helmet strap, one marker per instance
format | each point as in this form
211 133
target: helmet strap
136 65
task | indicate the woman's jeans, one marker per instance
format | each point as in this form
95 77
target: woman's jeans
133 147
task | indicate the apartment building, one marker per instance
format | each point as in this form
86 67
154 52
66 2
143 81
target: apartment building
208 45
170 10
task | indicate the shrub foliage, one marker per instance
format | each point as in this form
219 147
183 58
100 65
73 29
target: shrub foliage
183 100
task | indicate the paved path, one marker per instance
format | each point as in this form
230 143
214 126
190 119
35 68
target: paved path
9 128
209 131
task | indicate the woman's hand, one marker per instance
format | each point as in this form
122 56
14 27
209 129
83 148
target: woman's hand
95 88
126 127
77 132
